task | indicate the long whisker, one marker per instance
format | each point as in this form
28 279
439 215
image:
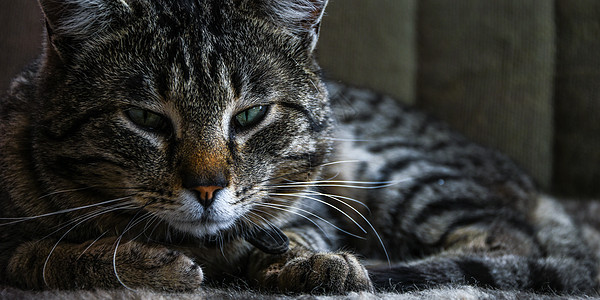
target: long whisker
152 219
334 197
91 244
342 184
313 222
306 196
130 225
85 217
148 224
267 222
114 263
338 197
149 235
306 170
91 216
86 188
338 162
65 191
349 140
22 219
290 209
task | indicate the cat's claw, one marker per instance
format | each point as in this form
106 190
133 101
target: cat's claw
324 273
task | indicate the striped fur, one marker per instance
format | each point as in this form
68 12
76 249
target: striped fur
96 194
458 213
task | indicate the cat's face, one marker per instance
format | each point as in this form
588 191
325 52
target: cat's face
194 110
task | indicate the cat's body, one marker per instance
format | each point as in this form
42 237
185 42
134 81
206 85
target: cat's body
204 127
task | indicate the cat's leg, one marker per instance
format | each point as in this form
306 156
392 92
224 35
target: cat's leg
101 264
305 267
549 256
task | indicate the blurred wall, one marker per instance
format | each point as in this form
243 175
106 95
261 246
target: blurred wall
371 43
520 76
20 37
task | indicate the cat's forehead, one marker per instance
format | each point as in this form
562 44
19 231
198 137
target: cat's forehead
189 52
192 69
192 16
184 48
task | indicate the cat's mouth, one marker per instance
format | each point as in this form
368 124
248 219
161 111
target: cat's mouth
204 226
191 217
221 218
269 240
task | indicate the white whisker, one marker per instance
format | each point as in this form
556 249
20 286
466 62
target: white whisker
84 219
340 162
130 225
22 219
91 244
289 209
342 184
313 222
338 197
306 196
143 232
334 197
114 263
90 216
65 191
267 222
350 140
149 236
334 183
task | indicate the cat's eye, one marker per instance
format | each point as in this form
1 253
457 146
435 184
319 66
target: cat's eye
148 120
251 116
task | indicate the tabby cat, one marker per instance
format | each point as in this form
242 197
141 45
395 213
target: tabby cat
166 144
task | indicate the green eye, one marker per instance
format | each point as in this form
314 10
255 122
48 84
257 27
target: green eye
148 120
251 116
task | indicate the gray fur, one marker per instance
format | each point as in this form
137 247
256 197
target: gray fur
97 195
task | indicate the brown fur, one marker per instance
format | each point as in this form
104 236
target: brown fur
138 110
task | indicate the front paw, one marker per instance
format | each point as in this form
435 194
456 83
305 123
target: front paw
328 273
157 268
101 265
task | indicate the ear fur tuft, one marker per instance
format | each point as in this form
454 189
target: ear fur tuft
302 17
79 18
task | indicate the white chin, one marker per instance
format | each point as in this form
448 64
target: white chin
202 229
194 219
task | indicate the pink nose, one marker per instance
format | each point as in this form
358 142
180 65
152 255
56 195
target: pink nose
206 194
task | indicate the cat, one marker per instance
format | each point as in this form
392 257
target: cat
169 144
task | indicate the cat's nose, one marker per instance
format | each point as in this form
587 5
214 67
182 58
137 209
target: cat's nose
206 194
205 185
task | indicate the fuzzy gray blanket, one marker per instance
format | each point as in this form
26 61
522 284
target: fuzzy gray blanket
464 292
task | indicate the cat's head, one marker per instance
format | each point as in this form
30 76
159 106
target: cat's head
196 110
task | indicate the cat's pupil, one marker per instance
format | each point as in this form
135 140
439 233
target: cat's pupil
251 116
147 120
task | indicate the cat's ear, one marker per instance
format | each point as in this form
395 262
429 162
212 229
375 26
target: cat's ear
302 17
71 21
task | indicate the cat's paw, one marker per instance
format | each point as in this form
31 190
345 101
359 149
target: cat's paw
329 273
157 268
